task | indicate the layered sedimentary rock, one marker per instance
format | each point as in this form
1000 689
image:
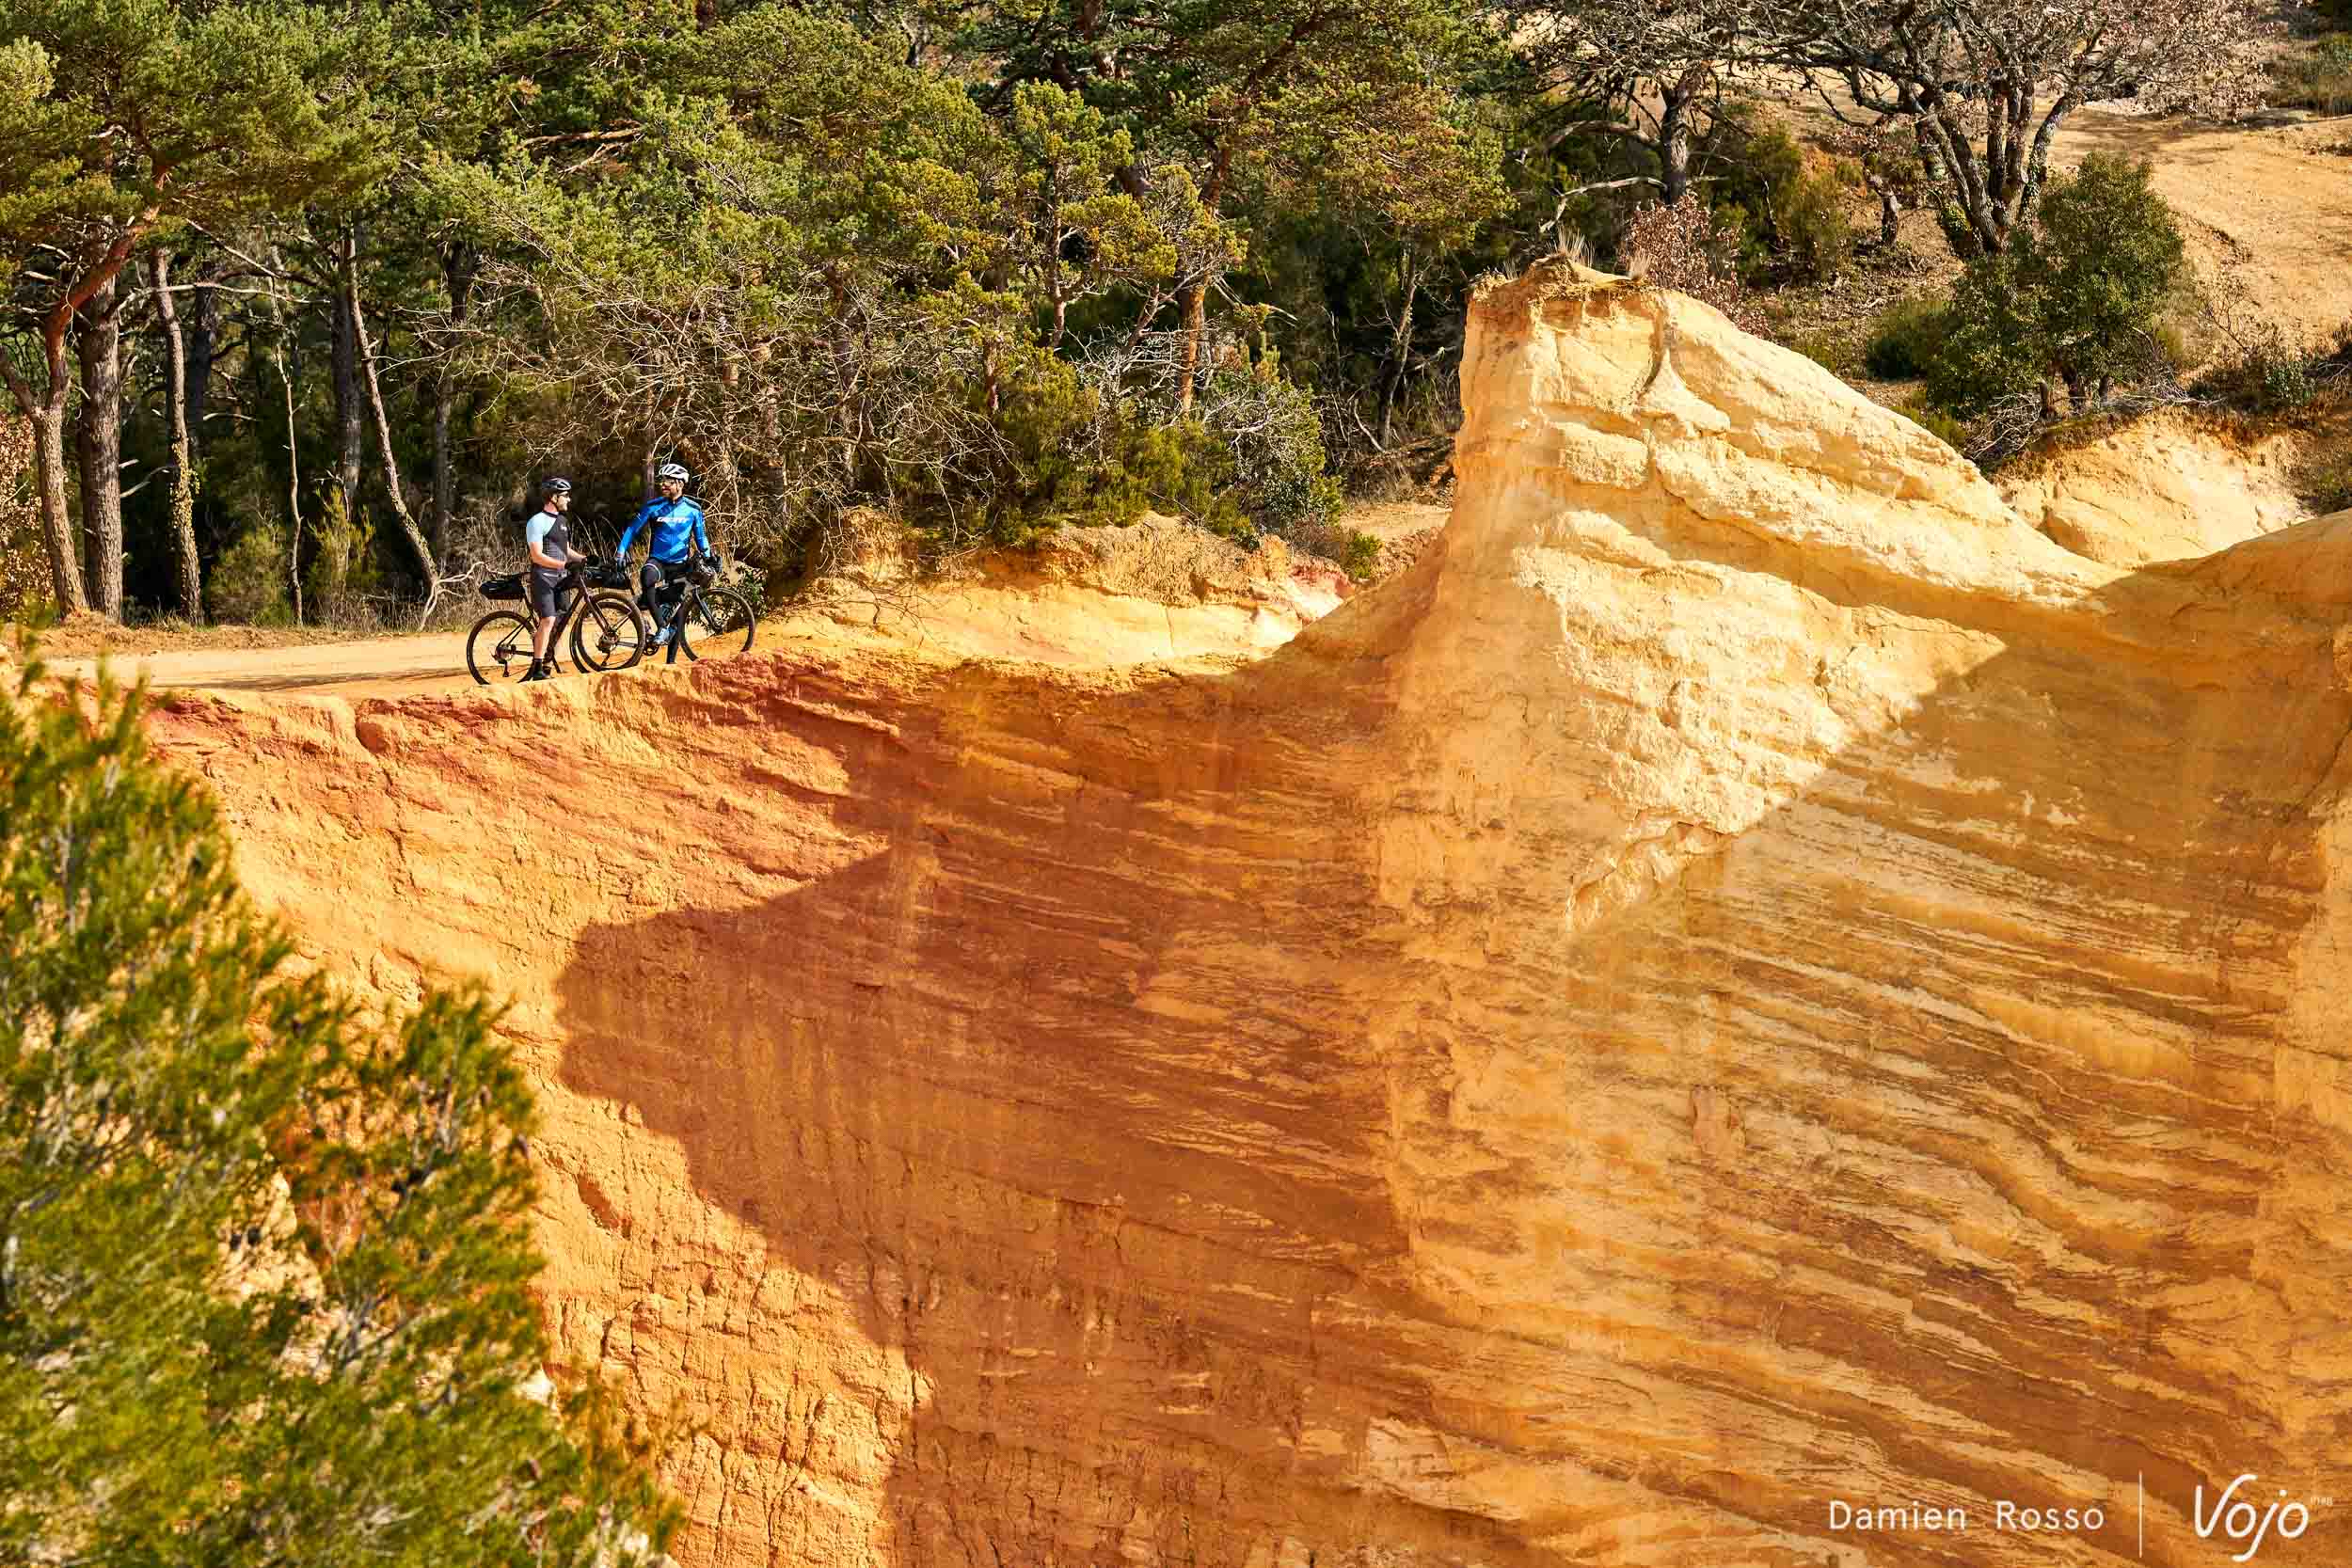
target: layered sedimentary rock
1749 982
2166 487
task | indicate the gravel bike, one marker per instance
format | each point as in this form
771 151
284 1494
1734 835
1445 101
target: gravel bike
606 630
693 603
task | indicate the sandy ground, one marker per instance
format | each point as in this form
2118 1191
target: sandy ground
1388 520
1157 592
376 666
1036 622
381 662
2268 210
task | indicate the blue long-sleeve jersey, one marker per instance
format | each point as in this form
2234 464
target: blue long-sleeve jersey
673 522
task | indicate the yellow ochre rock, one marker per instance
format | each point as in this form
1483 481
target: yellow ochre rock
1748 984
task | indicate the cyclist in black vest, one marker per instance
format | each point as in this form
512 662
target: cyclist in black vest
547 539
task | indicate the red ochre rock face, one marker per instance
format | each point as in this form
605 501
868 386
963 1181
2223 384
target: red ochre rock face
1747 979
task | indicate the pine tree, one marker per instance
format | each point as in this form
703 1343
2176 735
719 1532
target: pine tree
121 119
265 1266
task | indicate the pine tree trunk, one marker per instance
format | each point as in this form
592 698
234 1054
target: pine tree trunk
1399 351
1195 299
200 331
293 492
444 474
57 526
46 414
293 451
458 268
350 416
99 437
1196 295
183 456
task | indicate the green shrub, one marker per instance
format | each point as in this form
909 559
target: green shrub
2267 375
1905 338
2287 382
2329 487
2179 343
750 580
343 571
1829 350
1275 439
1816 239
2075 298
1791 220
247 584
1951 431
1991 347
1061 450
1360 555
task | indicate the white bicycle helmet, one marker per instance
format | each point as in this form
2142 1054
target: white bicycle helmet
673 470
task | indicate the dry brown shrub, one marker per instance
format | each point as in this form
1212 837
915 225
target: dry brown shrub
1685 249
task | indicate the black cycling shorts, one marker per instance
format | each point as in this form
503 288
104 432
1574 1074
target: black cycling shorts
545 590
660 582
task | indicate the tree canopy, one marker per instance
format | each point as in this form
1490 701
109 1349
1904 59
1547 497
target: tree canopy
302 298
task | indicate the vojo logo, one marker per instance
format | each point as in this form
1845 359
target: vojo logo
2240 1519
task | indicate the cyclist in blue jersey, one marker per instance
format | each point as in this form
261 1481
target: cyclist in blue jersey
676 526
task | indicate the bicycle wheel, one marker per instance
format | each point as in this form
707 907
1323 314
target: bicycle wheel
607 633
498 650
723 615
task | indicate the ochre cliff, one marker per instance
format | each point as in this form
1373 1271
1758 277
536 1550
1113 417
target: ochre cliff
2163 486
1749 980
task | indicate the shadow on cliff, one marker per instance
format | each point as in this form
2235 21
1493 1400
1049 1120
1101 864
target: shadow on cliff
1038 1077
1032 1071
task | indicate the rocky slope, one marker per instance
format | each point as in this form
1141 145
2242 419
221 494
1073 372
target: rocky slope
2165 486
1748 981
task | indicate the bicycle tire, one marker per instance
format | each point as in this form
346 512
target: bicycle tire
725 612
502 656
607 633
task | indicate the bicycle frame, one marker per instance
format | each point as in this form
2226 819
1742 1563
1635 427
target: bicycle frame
569 596
574 593
681 609
683 612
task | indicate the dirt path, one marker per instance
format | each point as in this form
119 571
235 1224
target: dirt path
2268 210
379 666
1157 591
381 663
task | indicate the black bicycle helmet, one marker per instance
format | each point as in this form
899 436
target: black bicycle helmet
558 486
